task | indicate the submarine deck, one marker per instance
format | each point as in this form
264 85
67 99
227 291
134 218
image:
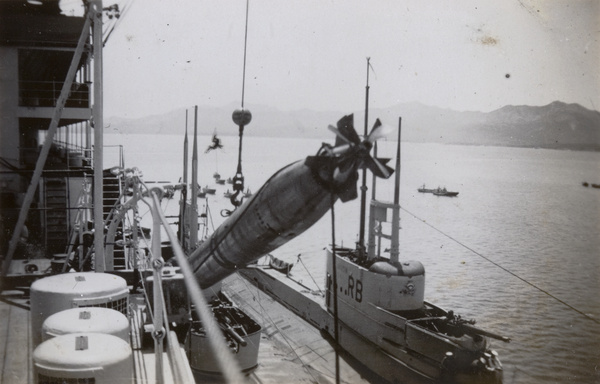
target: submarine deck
291 350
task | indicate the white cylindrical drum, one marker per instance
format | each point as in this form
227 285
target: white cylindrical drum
71 290
86 320
83 357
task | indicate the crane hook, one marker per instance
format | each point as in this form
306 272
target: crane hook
238 187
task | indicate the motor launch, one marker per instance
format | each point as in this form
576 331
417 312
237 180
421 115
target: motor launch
290 202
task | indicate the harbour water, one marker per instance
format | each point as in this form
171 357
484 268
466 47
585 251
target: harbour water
518 249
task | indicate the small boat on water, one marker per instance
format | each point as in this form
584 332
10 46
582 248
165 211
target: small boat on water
209 191
437 191
280 265
228 193
218 179
444 192
248 193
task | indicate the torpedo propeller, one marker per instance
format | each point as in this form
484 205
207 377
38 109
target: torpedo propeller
347 156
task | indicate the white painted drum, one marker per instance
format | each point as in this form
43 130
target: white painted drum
83 357
86 320
56 293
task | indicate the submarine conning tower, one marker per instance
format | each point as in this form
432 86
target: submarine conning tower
400 285
393 286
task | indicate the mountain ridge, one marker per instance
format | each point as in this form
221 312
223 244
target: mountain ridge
556 125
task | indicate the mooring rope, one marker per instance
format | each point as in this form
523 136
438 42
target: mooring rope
310 275
503 268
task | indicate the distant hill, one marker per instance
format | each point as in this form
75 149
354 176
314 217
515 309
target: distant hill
556 125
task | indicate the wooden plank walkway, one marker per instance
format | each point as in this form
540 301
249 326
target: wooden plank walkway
15 339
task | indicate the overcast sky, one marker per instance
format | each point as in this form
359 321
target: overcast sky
461 54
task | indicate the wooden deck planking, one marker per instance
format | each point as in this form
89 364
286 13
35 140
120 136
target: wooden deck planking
4 320
144 359
15 338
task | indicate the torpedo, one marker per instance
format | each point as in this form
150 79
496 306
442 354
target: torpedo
289 203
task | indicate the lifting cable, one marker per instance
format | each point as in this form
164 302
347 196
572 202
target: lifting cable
241 117
503 268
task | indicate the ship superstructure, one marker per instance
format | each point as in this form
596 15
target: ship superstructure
50 109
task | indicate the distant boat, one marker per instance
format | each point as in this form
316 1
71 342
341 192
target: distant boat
228 194
248 193
437 191
220 181
201 194
280 265
593 185
209 191
443 192
229 180
217 176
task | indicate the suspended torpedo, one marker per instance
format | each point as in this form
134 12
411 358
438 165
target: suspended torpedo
290 202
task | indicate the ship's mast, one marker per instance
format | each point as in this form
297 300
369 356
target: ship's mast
98 111
378 213
183 200
395 246
194 208
363 188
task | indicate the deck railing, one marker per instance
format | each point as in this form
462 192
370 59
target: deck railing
46 93
227 364
71 148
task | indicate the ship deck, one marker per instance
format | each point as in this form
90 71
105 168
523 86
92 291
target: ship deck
16 348
291 350
15 339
